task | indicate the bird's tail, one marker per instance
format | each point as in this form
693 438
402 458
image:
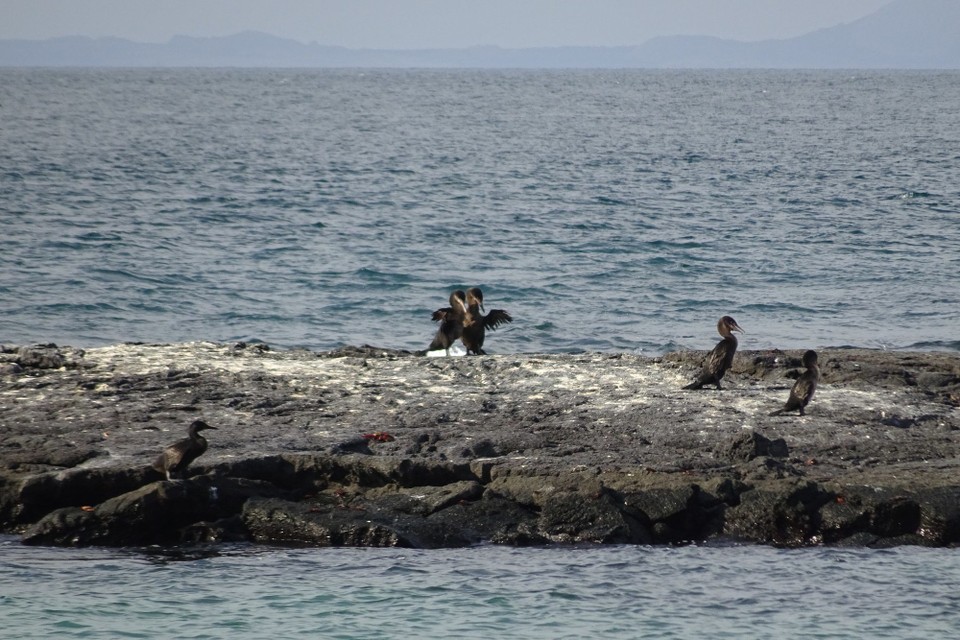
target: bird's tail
696 384
777 412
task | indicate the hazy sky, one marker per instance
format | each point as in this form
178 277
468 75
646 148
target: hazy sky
407 24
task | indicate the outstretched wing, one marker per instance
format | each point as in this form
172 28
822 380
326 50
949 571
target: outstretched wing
442 314
495 318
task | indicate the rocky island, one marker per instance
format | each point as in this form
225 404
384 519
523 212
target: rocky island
368 446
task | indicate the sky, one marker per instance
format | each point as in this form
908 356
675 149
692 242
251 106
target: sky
429 24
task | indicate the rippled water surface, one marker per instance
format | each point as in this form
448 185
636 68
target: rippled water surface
484 592
618 210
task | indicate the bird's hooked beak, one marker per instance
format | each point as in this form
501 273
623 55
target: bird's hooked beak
735 327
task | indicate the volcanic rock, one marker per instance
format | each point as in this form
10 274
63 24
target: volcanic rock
367 446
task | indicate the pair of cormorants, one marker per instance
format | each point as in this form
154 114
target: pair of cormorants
465 320
721 357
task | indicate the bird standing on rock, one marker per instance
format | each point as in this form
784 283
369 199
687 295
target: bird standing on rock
475 323
805 386
721 357
177 457
451 322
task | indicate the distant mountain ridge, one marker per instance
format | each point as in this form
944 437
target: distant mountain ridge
905 34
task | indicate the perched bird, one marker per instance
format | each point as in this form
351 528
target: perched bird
451 322
805 386
721 357
177 457
475 324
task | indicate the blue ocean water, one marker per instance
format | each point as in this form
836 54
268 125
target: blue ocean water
483 592
606 210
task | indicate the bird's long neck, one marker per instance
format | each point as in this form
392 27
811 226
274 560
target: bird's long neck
472 311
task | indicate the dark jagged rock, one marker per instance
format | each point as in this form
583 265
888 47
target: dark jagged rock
46 356
37 494
884 515
746 446
325 523
366 446
783 512
157 513
685 513
492 518
573 516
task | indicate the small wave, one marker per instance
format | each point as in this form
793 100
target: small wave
60 245
589 226
544 326
124 275
778 306
911 195
667 347
692 158
676 244
150 308
932 345
74 308
845 202
271 252
96 236
605 200
210 200
368 274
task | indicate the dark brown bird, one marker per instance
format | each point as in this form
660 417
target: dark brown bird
451 322
720 357
177 457
475 324
805 386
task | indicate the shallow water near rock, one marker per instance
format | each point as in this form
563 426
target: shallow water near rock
723 591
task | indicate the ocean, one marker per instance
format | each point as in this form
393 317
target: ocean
614 211
613 592
605 210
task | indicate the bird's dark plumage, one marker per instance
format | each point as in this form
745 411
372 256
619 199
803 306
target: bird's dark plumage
805 386
177 457
475 323
451 322
720 357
